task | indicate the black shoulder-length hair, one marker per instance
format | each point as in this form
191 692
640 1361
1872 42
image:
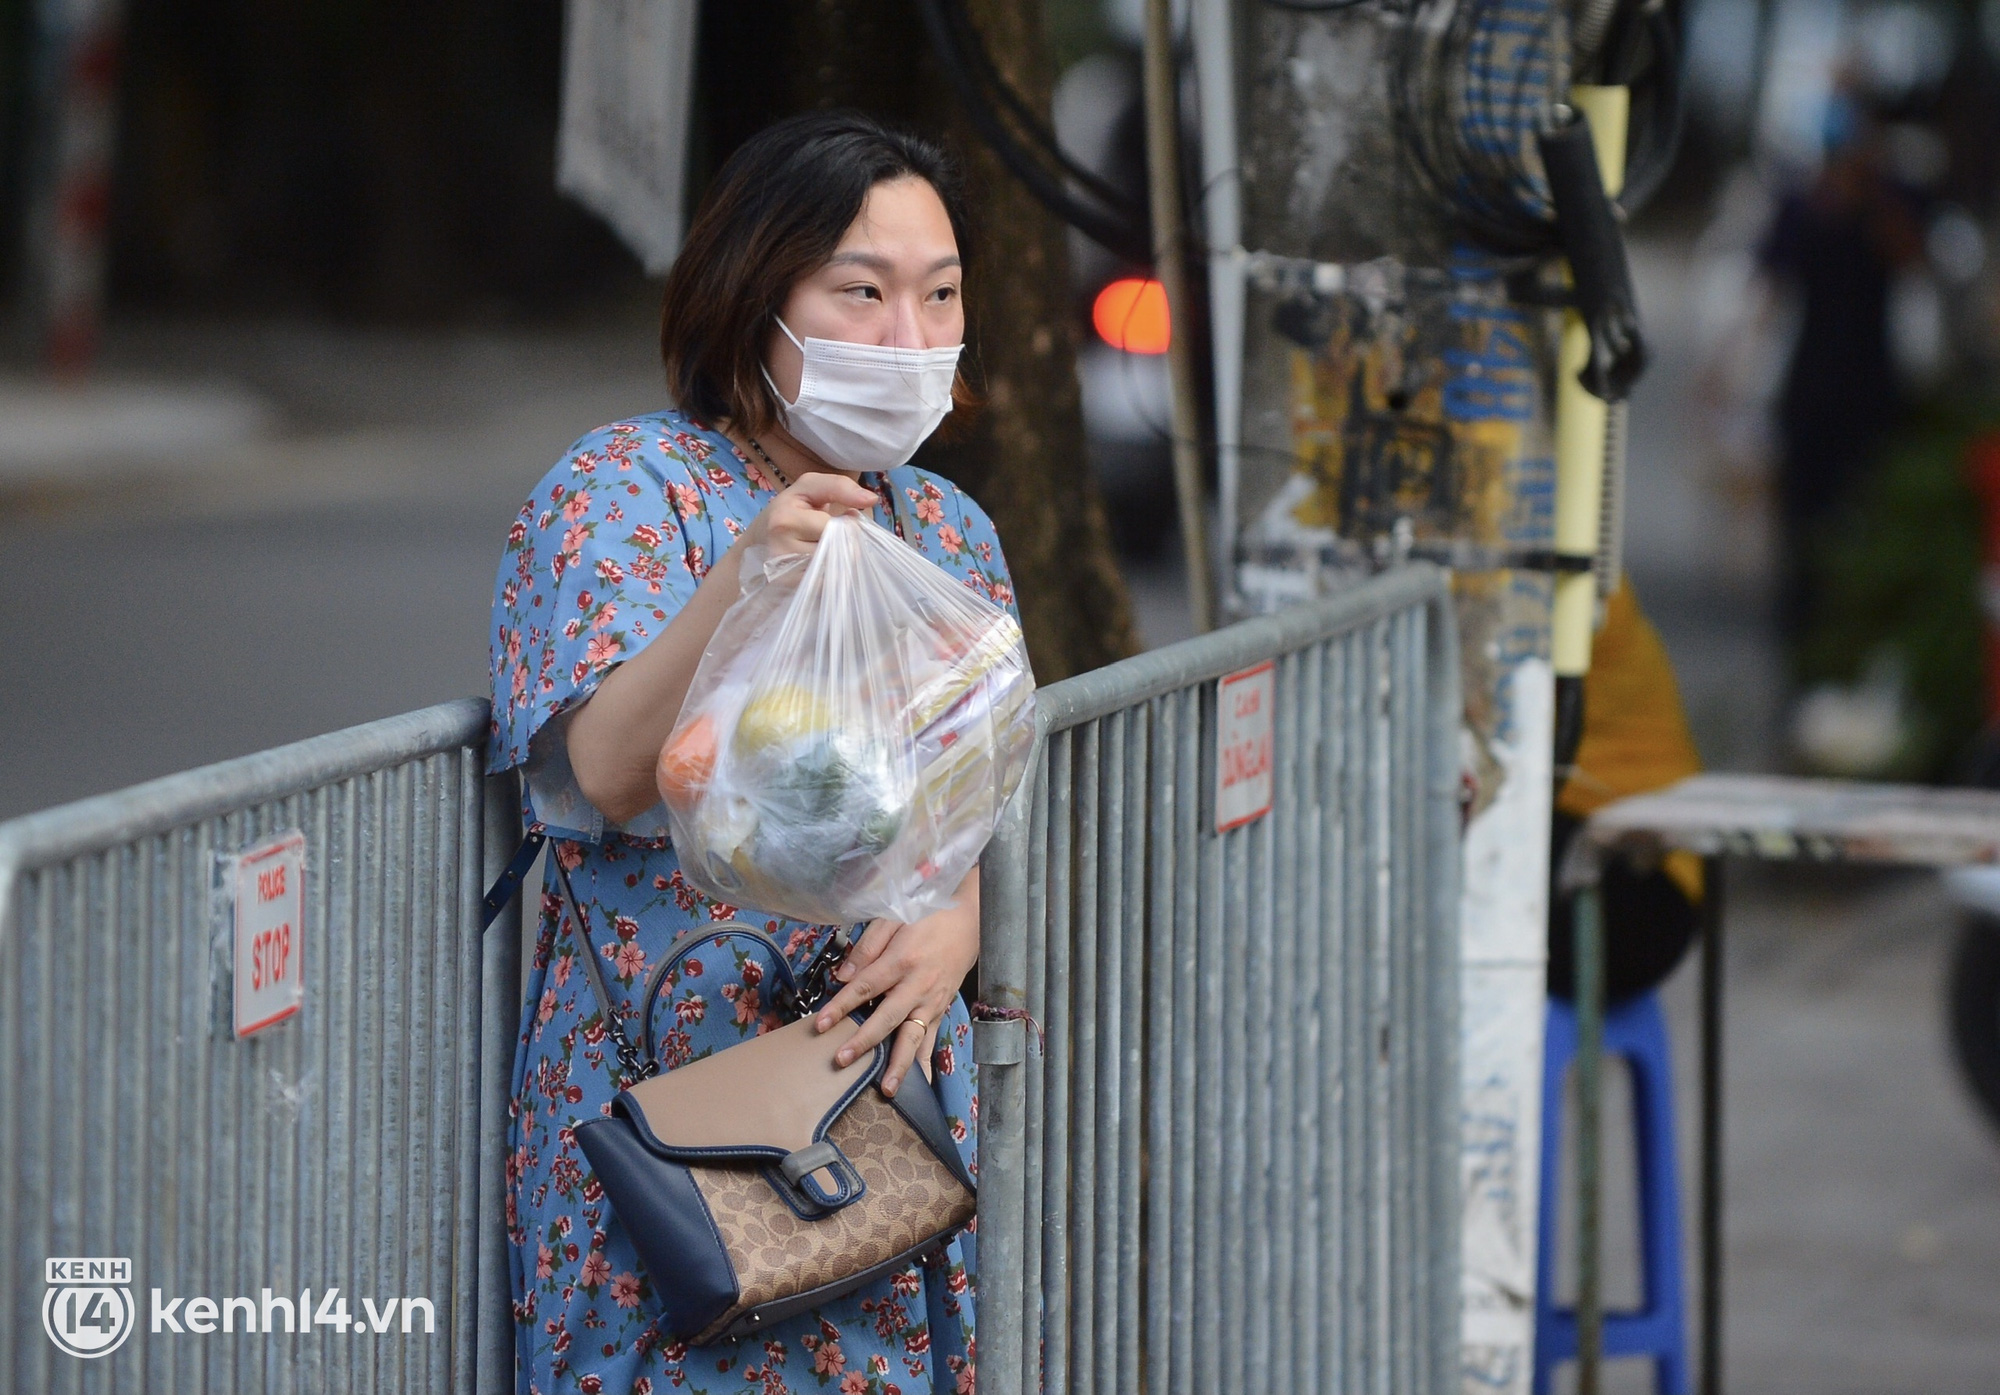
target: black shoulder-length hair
776 213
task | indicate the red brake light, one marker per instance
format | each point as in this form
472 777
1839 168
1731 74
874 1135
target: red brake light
1131 314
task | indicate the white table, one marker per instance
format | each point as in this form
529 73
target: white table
1771 819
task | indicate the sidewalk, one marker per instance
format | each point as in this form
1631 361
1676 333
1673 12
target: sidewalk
217 421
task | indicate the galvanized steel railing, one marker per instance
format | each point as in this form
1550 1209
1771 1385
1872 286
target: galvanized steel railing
1233 1164
359 1145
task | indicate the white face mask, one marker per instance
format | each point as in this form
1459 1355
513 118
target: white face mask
867 406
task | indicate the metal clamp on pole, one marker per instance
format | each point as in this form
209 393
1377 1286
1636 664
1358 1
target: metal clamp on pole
999 1043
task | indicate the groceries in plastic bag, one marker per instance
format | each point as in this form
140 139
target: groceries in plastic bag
851 735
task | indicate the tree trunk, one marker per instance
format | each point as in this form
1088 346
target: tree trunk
1023 459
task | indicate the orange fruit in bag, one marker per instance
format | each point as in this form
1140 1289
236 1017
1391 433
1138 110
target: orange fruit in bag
687 762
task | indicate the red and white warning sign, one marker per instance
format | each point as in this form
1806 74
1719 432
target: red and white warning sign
1243 746
268 891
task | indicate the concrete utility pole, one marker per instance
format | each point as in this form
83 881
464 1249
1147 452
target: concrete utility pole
1402 408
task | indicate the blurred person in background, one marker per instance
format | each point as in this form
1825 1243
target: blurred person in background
1836 245
1635 740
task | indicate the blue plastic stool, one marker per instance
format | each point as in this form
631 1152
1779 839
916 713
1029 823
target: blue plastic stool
1637 1031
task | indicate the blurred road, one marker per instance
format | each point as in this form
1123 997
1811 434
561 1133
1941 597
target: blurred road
332 562
165 610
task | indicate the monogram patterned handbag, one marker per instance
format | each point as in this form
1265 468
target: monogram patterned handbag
764 1180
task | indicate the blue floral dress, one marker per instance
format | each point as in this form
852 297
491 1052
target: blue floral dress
607 550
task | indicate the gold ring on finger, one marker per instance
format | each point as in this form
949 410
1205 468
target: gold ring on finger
922 1025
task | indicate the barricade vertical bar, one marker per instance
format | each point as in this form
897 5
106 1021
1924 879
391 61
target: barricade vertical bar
1003 1096
1057 1255
68 1026
420 948
1407 965
1083 1074
108 1223
1381 925
1133 871
402 853
1333 1017
446 1028
1309 1370
382 1193
463 1164
371 909
1108 1278
1358 1069
1411 969
39 1055
345 1079
192 865
1282 1212
1159 955
1417 972
1181 746
313 1244
1233 897
1211 1050
154 1024
118 990
1254 896
1406 796
1035 1069
1334 1274
457 1085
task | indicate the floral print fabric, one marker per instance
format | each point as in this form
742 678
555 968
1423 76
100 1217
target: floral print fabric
613 542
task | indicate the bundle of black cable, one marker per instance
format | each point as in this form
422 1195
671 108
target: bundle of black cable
1476 83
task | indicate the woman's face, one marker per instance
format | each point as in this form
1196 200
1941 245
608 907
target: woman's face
895 280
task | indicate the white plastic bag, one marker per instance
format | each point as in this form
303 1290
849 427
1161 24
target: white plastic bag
853 731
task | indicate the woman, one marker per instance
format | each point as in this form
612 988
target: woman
824 232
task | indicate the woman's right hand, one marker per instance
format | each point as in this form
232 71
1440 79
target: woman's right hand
792 523
616 735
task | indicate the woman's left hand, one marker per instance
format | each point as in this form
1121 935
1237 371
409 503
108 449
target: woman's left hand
915 968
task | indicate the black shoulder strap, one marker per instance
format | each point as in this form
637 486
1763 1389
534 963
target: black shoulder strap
509 884
634 1066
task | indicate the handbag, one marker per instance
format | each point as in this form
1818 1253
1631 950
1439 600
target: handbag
764 1180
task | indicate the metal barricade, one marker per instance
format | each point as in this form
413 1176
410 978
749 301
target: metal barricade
360 1145
1232 1163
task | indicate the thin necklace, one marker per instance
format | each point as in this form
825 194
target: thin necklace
783 480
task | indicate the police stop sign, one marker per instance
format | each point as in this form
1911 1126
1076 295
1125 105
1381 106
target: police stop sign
1243 746
268 891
